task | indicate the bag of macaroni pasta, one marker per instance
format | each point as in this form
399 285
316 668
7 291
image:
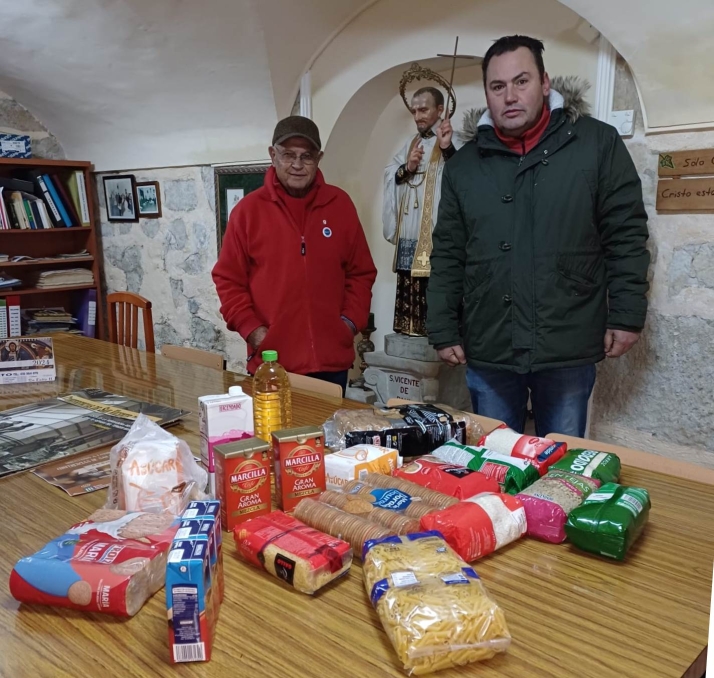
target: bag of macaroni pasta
432 605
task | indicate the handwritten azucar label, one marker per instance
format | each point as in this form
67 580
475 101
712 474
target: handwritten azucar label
302 461
248 476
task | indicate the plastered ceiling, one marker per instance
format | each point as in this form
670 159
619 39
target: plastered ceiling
144 83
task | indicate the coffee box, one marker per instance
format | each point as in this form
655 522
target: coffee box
299 455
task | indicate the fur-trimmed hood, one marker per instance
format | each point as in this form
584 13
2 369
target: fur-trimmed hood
567 93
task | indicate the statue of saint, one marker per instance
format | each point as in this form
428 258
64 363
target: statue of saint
412 188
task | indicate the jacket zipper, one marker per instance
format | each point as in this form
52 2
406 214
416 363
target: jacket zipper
303 249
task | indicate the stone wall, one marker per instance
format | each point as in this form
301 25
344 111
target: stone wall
660 396
16 119
169 261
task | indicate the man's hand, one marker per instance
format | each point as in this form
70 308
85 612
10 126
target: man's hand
415 157
453 355
444 133
619 342
255 338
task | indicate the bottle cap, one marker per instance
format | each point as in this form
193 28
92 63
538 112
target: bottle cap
235 391
270 356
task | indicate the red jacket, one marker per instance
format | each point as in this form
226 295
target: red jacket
296 284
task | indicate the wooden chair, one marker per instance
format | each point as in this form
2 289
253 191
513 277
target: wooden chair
193 355
124 320
315 385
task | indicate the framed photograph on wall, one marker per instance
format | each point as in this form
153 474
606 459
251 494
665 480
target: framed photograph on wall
232 185
120 196
149 199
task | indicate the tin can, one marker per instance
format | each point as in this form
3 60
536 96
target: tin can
242 480
299 455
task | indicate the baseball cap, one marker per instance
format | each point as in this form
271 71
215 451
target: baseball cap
297 126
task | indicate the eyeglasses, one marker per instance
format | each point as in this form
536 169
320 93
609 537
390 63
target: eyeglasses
291 158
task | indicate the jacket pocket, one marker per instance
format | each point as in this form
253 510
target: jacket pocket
582 273
476 281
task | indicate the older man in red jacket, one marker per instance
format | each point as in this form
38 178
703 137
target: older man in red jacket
295 273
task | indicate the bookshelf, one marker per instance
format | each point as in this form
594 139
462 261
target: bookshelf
45 244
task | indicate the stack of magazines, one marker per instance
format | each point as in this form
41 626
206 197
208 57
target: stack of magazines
65 278
48 320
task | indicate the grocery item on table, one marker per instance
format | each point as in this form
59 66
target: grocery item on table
455 480
299 456
352 528
242 480
603 466
197 529
550 499
356 461
541 452
191 605
438 499
292 551
111 562
210 510
272 398
511 473
479 525
391 499
433 607
223 419
413 430
153 470
398 523
610 520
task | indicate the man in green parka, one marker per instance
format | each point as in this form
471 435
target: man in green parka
539 264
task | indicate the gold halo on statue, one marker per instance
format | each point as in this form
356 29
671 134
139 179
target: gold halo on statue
417 72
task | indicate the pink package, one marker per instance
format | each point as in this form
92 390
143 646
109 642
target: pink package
549 500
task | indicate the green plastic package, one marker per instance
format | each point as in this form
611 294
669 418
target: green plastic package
512 474
602 466
610 520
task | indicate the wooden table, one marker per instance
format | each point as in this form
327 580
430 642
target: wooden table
570 614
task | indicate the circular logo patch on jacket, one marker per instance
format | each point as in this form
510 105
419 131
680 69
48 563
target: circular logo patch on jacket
327 231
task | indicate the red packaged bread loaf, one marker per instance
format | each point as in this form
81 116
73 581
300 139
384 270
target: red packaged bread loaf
441 476
112 562
541 452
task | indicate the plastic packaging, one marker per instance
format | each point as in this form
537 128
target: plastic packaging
355 462
511 473
603 466
397 523
433 607
549 501
391 499
352 528
541 452
112 563
480 525
272 398
153 470
300 555
456 481
438 499
610 520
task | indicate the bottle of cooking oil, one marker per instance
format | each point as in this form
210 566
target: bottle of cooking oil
272 404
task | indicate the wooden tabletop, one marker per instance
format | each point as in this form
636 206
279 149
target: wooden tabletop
570 614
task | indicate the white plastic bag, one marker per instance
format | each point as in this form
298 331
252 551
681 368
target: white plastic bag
153 471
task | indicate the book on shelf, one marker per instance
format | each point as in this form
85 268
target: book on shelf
7 282
14 316
67 277
3 319
65 218
47 321
66 200
78 192
87 313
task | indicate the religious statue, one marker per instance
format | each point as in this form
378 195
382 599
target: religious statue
412 188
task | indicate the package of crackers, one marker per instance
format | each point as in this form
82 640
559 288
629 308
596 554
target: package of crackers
111 562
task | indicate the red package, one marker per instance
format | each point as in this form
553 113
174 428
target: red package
541 452
480 525
111 562
456 481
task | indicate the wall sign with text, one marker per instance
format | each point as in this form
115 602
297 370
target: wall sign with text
678 194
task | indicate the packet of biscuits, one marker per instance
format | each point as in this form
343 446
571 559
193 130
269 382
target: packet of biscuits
112 563
153 470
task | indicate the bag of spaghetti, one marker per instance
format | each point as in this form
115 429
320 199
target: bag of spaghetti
512 474
432 605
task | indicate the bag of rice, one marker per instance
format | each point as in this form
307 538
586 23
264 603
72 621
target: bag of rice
541 452
432 606
454 480
290 550
479 525
550 499
512 474
610 520
602 466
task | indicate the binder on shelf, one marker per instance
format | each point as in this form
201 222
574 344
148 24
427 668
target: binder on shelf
45 193
3 211
44 214
87 314
65 220
83 200
66 200
18 206
28 213
13 314
3 319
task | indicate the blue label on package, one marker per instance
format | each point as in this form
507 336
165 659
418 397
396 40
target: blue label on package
393 500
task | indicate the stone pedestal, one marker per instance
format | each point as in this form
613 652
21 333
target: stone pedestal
409 368
361 395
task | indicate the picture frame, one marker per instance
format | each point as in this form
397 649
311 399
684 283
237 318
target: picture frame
148 196
232 184
120 197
